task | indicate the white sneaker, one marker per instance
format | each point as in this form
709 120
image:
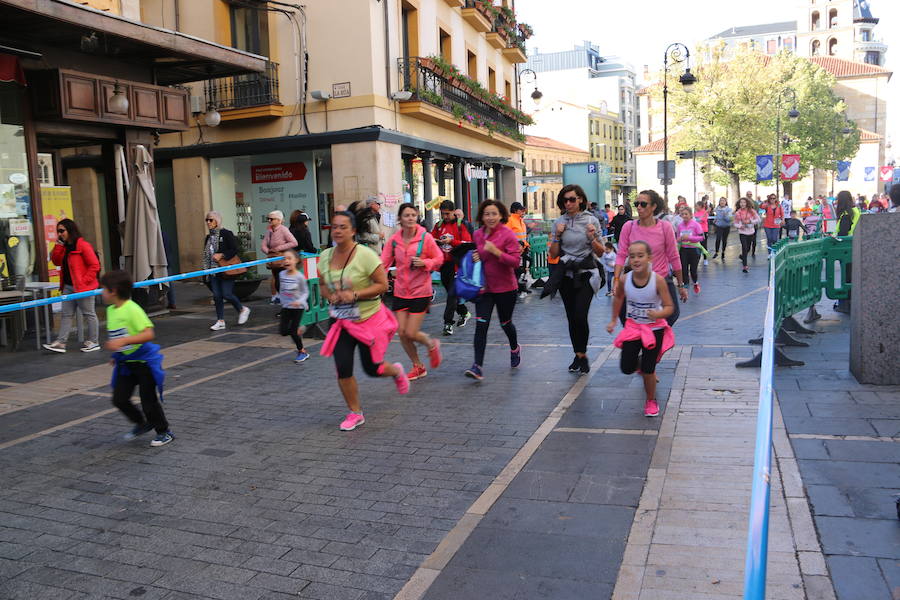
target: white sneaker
705 262
245 314
56 346
90 347
218 325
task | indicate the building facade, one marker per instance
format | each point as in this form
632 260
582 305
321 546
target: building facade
582 77
607 143
396 100
544 160
86 79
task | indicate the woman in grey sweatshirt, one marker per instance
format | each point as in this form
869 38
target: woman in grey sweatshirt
723 220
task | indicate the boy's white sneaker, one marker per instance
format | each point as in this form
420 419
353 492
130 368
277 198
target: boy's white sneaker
245 314
218 325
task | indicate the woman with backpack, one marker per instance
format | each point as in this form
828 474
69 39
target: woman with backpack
498 249
414 254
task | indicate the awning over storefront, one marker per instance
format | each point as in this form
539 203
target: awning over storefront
174 57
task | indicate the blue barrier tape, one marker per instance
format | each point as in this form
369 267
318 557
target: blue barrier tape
150 282
758 528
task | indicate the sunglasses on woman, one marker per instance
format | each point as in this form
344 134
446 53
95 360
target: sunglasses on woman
642 204
210 220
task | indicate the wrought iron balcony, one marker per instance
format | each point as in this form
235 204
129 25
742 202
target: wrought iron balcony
244 91
431 83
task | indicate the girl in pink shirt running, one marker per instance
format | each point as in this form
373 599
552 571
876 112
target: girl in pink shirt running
690 235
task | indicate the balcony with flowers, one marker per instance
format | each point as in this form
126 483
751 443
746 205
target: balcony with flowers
443 95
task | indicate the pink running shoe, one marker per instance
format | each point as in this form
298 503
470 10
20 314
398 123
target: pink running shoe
434 353
352 421
651 409
401 380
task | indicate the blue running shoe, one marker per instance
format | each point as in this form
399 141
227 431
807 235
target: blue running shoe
474 372
301 356
138 430
515 357
162 439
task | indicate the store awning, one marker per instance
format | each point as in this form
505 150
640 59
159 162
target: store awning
174 57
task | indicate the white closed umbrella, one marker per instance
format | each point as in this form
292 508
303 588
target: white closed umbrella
145 253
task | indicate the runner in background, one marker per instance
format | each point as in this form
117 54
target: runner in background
414 254
617 222
745 221
774 219
352 281
450 233
701 216
609 265
498 250
724 217
646 335
689 249
293 292
461 219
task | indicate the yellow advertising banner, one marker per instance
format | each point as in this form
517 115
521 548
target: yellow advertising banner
57 205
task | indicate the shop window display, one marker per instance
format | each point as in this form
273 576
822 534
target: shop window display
16 222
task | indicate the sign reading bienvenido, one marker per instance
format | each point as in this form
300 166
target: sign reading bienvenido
661 169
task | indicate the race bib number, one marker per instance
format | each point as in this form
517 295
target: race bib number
344 310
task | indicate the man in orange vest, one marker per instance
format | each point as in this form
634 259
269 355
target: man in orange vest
517 224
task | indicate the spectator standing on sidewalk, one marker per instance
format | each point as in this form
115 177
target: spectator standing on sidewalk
300 230
414 254
576 240
276 240
516 224
221 245
498 250
724 217
646 335
293 292
352 281
80 268
450 233
774 219
137 361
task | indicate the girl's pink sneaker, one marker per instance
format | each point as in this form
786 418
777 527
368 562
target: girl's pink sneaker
401 380
352 421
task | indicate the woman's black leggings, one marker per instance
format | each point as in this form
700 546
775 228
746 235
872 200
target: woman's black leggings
705 241
577 302
484 307
343 357
746 243
722 238
690 258
290 323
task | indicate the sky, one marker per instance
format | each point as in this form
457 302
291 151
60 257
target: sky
640 30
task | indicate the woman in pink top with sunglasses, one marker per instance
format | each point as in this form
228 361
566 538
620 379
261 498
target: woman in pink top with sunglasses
660 236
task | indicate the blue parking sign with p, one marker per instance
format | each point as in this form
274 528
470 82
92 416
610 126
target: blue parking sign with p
592 167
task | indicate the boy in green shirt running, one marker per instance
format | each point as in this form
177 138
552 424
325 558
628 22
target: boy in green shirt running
137 361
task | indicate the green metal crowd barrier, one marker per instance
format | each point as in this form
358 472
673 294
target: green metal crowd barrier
318 306
540 269
804 269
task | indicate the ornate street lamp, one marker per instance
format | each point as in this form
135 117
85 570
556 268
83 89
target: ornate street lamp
536 95
676 53
793 115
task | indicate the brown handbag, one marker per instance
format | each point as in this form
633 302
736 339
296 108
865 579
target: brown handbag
232 273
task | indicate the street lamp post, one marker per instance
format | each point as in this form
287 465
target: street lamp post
793 115
677 52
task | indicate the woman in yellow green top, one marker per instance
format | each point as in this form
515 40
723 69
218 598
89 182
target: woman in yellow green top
352 280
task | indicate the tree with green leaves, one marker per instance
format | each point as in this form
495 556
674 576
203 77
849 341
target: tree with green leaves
733 109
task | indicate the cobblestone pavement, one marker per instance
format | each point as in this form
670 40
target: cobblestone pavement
261 497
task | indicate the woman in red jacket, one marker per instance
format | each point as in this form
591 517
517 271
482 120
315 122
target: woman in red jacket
79 268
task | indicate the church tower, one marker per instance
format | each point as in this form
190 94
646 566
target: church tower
839 28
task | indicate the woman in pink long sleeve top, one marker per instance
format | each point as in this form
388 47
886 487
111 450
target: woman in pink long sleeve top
498 249
414 254
690 237
660 236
